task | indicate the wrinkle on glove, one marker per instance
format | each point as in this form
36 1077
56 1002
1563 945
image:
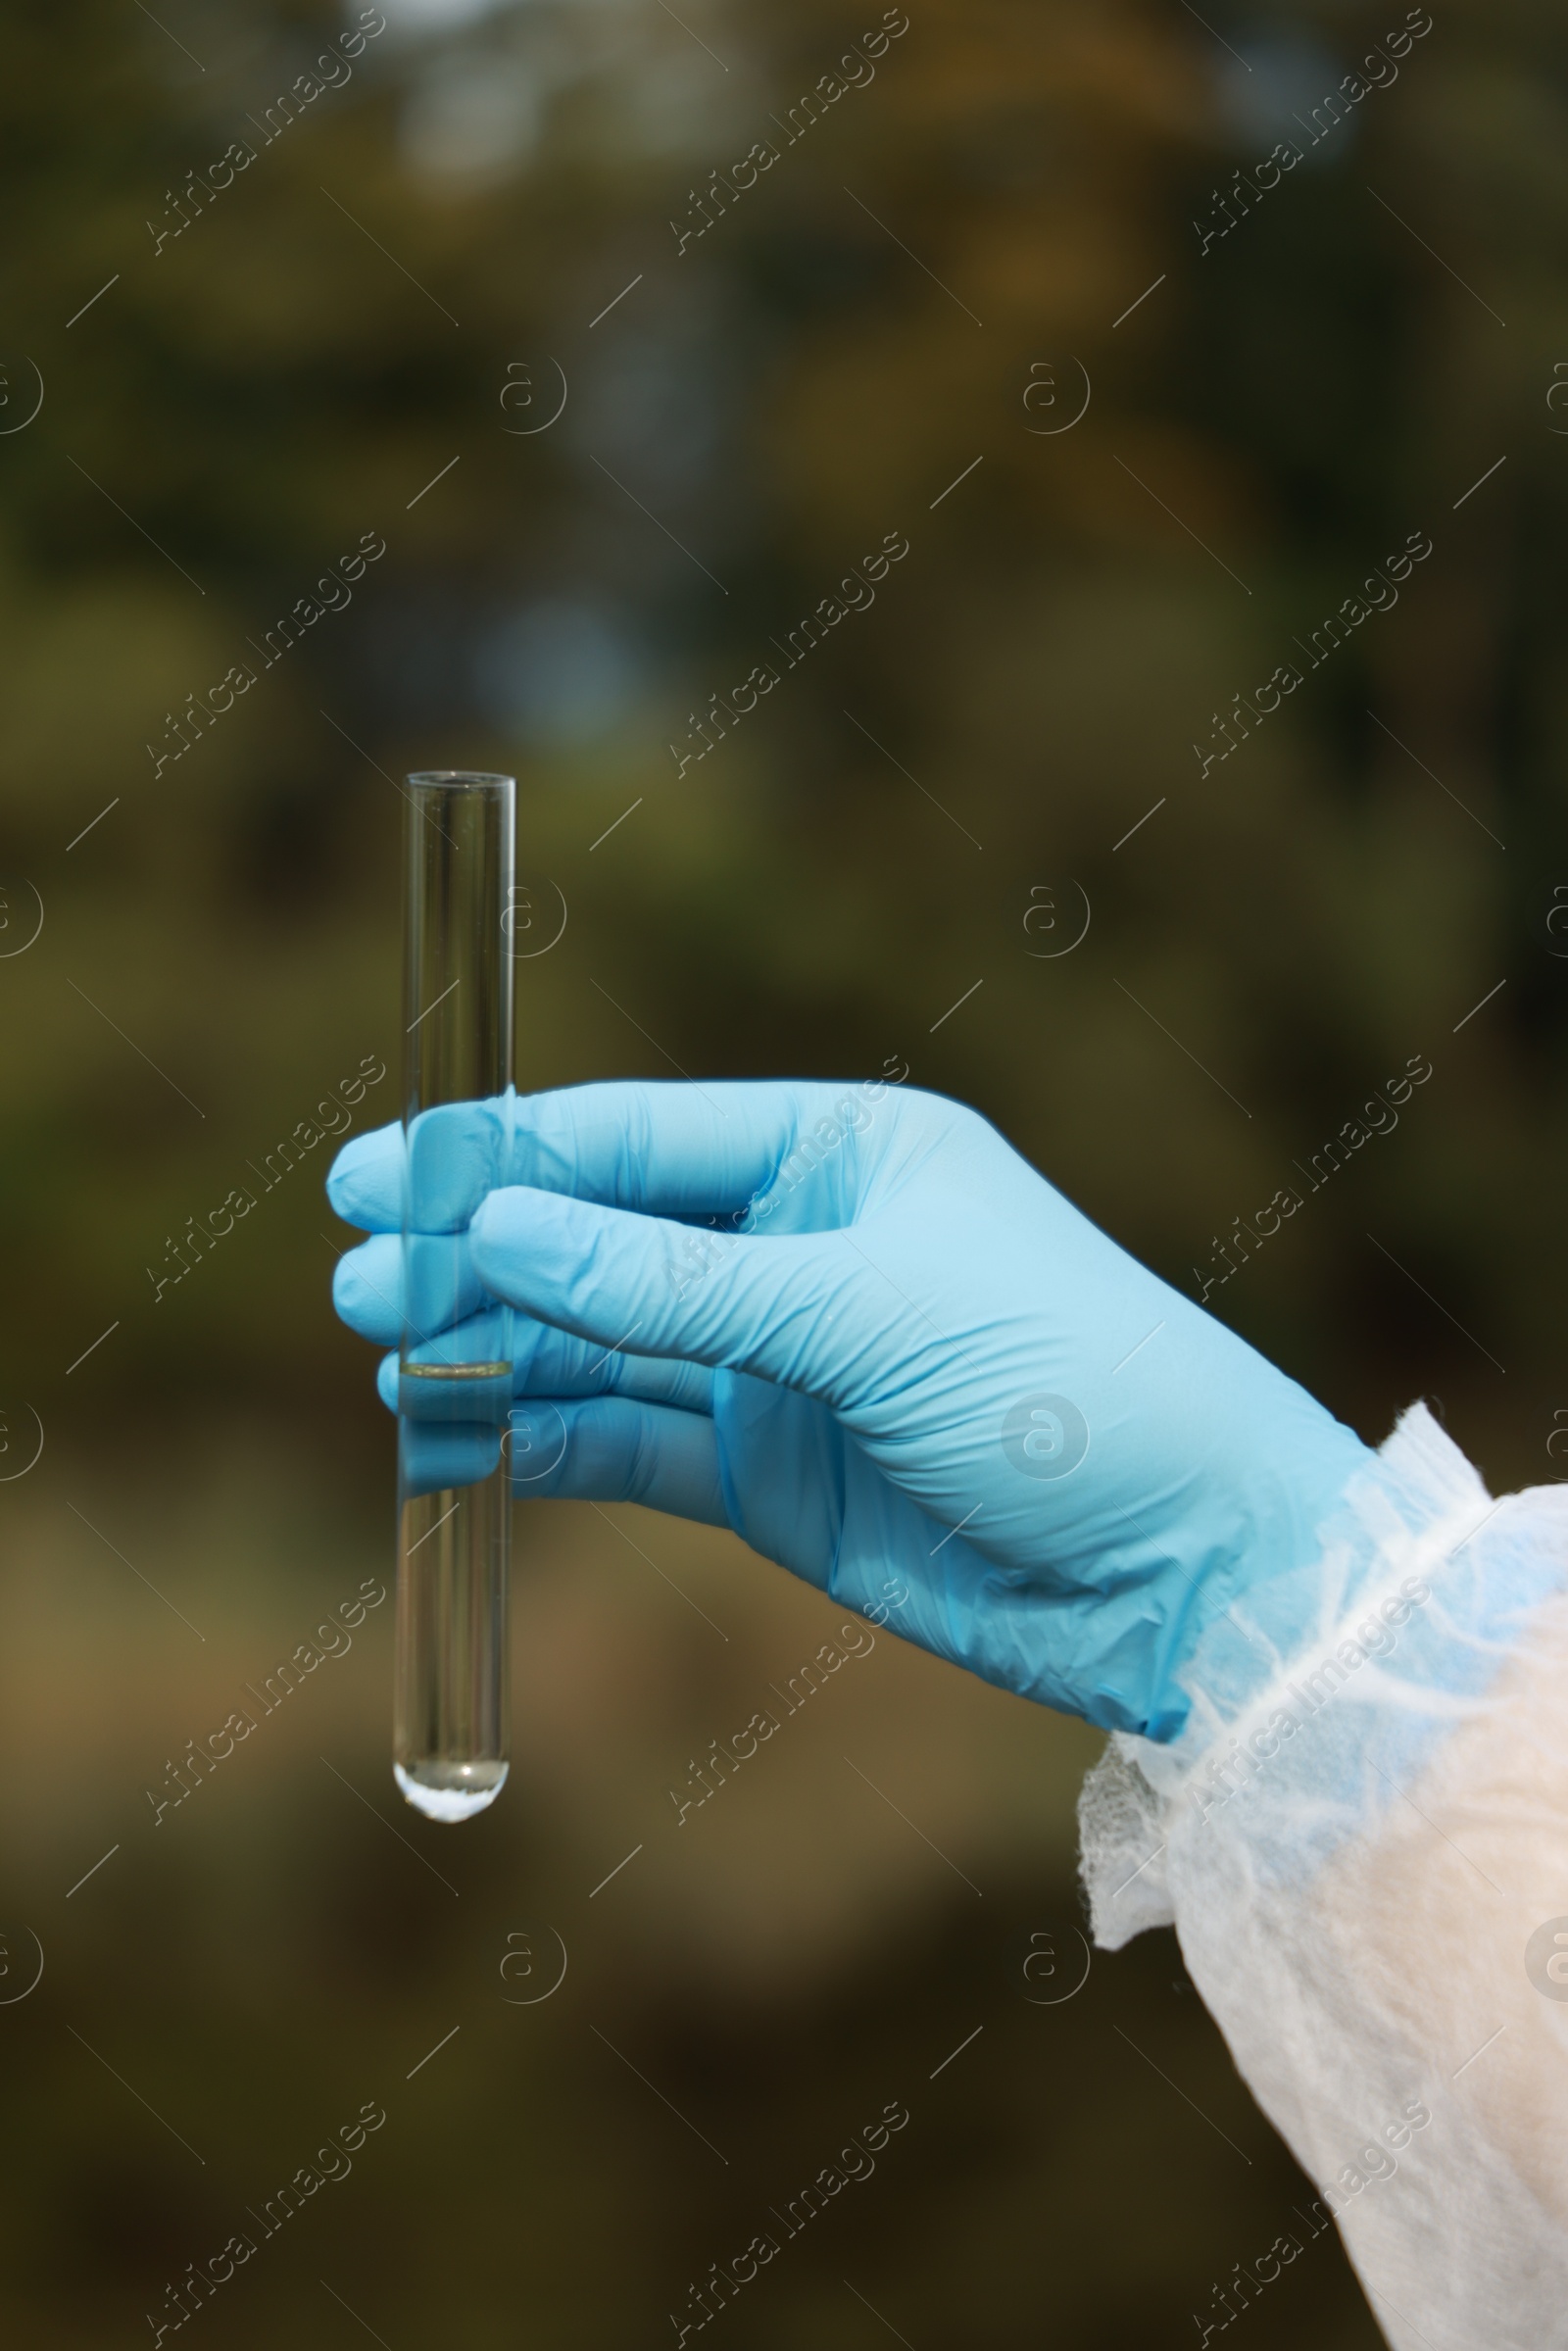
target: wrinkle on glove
1363 1849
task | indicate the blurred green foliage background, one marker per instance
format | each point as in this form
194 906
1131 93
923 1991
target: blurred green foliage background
367 332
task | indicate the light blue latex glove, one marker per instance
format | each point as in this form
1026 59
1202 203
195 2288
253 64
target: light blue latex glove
872 1341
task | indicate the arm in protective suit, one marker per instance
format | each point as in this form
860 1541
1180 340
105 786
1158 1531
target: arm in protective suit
852 1324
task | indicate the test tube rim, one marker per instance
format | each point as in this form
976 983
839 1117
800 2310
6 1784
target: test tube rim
468 779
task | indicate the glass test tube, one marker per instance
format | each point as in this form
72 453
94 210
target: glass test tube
450 1726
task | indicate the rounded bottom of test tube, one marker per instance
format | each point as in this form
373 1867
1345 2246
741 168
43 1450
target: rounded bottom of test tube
450 1791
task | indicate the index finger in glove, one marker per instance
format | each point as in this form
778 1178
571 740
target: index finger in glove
665 1150
432 1175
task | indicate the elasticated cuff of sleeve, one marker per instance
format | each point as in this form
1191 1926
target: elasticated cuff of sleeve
1361 1838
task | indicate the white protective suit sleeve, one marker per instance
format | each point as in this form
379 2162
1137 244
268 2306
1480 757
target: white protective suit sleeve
1363 1845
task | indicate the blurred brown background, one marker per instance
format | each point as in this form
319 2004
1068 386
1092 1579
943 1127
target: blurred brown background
367 332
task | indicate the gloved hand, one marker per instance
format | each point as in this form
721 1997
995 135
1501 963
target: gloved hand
872 1341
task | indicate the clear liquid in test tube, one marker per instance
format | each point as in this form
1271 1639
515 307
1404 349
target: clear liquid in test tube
450 1724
